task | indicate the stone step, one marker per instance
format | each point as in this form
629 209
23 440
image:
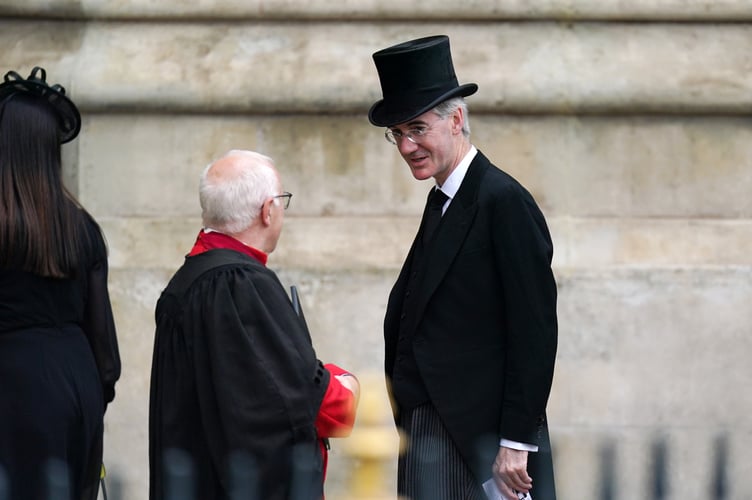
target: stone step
325 67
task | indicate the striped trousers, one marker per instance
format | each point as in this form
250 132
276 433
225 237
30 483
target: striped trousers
431 467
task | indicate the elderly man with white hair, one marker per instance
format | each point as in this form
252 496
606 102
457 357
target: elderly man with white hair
234 372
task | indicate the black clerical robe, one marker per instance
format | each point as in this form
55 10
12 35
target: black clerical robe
234 371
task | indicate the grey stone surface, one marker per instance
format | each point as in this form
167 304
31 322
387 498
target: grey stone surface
583 167
315 67
380 243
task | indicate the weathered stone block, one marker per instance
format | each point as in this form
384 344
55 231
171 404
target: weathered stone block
311 67
653 347
580 167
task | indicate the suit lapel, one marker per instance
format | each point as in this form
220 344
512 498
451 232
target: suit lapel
450 235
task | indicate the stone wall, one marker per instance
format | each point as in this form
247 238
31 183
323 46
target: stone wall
628 123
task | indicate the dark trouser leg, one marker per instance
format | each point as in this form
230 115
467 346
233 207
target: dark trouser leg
431 468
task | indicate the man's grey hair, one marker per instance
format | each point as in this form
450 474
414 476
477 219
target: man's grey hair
448 107
230 205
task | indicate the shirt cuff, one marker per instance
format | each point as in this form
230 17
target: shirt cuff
506 443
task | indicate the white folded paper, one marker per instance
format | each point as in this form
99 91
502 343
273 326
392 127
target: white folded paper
493 493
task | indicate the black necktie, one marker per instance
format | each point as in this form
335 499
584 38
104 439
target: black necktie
436 201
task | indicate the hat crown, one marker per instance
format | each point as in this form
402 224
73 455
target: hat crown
414 65
415 76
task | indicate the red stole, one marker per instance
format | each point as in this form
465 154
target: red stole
210 240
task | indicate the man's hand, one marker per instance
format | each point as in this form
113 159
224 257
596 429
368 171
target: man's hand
510 472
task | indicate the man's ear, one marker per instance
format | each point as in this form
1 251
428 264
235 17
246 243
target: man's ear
266 212
458 119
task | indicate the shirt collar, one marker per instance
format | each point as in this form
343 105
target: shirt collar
452 183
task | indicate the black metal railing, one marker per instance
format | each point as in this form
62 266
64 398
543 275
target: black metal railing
179 476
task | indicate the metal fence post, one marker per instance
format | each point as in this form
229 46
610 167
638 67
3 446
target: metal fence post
659 464
4 486
179 480
115 486
720 481
607 477
303 475
57 479
372 445
243 477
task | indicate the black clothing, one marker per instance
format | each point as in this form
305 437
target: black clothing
480 315
234 372
59 362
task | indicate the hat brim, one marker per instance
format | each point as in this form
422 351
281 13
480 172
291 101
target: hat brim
68 116
385 113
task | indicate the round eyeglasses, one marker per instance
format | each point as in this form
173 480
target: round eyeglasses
414 134
285 199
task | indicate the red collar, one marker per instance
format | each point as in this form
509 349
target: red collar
210 240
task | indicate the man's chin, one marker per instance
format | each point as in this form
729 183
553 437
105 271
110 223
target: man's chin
421 174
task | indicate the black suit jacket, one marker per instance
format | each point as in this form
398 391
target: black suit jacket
483 321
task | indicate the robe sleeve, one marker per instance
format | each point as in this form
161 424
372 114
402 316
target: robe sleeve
336 415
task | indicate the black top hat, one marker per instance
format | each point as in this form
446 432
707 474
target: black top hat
69 119
415 77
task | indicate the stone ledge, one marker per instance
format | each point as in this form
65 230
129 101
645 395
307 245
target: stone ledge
687 10
239 68
380 243
658 243
585 167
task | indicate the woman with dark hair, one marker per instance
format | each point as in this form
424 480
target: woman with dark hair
59 357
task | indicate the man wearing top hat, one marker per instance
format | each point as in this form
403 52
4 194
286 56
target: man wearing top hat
470 329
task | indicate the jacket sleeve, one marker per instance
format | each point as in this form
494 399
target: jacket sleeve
523 253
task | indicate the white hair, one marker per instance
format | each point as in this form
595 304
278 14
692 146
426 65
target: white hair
448 107
231 203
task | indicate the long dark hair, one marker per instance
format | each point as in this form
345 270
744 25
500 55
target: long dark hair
42 226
